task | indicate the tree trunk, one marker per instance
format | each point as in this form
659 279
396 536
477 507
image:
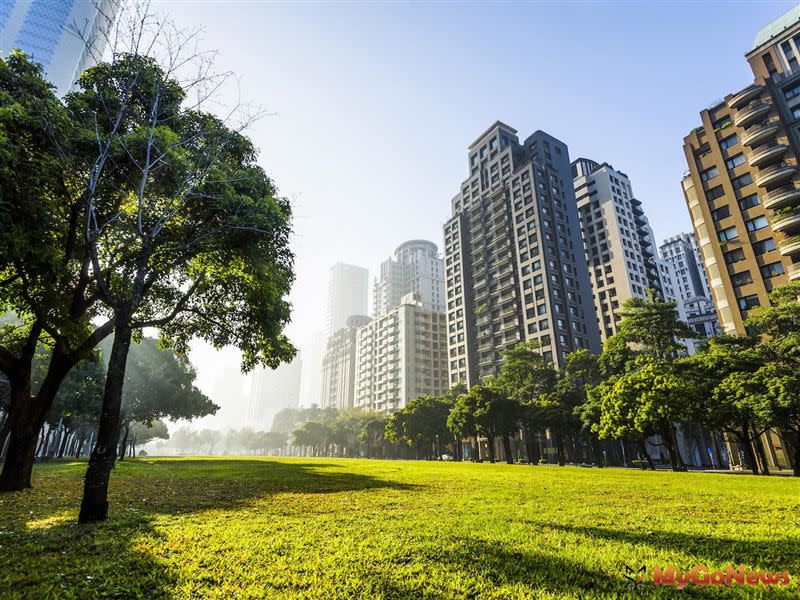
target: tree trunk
762 455
79 447
560 448
4 432
796 454
64 438
476 451
24 427
743 438
596 454
94 506
646 454
490 444
530 447
717 452
124 443
507 449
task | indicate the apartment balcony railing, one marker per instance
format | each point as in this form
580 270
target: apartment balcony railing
743 97
789 245
752 113
766 155
759 133
775 175
787 222
794 271
781 197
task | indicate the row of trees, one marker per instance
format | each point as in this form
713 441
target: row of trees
641 389
158 385
244 441
127 206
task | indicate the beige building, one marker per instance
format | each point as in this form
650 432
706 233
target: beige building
617 240
401 354
741 186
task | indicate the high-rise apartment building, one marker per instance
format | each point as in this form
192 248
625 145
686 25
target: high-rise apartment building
415 269
339 364
691 286
741 186
617 238
47 30
401 354
514 258
347 295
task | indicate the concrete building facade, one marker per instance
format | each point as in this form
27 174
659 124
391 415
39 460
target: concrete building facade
46 30
415 269
691 286
741 186
401 354
617 238
339 365
514 262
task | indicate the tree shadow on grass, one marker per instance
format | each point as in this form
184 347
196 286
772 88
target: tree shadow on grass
478 568
780 553
44 553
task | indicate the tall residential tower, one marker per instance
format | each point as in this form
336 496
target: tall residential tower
515 264
741 186
415 269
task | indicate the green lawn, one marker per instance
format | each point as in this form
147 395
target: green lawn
326 528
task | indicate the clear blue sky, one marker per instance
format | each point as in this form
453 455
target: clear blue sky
376 103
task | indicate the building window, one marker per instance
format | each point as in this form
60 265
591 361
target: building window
735 161
714 193
763 246
743 278
772 270
734 256
709 173
729 141
748 302
721 213
749 202
741 181
727 234
722 123
792 91
756 224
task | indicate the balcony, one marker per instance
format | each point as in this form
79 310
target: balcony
787 223
759 133
766 155
794 271
745 96
752 113
775 175
781 197
789 245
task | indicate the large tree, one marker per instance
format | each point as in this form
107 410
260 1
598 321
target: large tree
529 379
486 410
421 424
45 267
195 243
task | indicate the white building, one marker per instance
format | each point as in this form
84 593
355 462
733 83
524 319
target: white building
617 240
415 269
347 295
339 365
46 30
401 354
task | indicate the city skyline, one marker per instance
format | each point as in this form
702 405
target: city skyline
391 81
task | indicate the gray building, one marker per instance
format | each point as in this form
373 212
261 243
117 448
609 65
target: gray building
47 30
514 260
272 390
691 286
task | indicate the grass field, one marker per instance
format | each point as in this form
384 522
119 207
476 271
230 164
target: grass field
326 528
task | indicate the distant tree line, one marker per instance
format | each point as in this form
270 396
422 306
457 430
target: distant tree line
642 390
